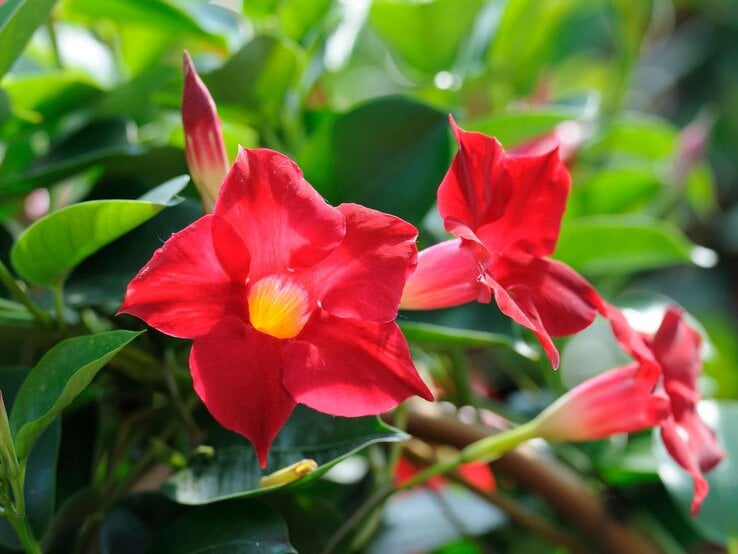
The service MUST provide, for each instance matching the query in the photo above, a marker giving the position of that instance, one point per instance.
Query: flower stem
(487, 449)
(19, 294)
(15, 510)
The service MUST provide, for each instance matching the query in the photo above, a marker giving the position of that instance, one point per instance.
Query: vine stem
(487, 449)
(15, 473)
(59, 306)
(20, 295)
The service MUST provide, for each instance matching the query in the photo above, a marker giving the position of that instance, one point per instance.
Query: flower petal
(546, 296)
(189, 284)
(509, 203)
(616, 401)
(237, 374)
(364, 276)
(281, 219)
(448, 274)
(350, 368)
(679, 449)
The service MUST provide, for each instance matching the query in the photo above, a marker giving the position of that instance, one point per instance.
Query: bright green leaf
(716, 519)
(298, 17)
(617, 245)
(50, 248)
(428, 333)
(232, 470)
(61, 374)
(426, 34)
(235, 527)
(516, 127)
(19, 19)
(40, 481)
(159, 14)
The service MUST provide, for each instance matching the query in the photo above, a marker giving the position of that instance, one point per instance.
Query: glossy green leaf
(258, 76)
(623, 189)
(61, 374)
(49, 95)
(19, 19)
(425, 34)
(40, 480)
(94, 143)
(160, 14)
(232, 527)
(389, 154)
(716, 519)
(48, 250)
(617, 245)
(428, 333)
(298, 18)
(232, 470)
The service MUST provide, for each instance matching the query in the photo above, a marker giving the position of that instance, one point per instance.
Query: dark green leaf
(258, 76)
(94, 143)
(62, 373)
(19, 19)
(606, 245)
(389, 154)
(40, 482)
(426, 34)
(233, 527)
(716, 519)
(48, 250)
(232, 470)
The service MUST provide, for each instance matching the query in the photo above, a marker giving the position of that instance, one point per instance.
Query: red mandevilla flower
(204, 146)
(288, 300)
(506, 211)
(658, 388)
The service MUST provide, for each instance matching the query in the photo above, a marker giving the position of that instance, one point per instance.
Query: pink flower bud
(204, 147)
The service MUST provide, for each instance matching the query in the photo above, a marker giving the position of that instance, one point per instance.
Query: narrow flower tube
(204, 146)
(616, 401)
(448, 274)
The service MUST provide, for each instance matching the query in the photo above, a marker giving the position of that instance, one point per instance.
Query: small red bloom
(506, 211)
(688, 440)
(288, 300)
(204, 146)
(658, 388)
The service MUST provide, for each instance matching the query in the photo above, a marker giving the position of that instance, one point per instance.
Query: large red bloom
(288, 300)
(506, 211)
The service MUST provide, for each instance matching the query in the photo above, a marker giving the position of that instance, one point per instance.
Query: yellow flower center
(278, 306)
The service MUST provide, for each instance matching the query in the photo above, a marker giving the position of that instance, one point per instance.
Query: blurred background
(640, 95)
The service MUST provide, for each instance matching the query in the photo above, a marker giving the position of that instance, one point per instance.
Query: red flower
(658, 388)
(688, 440)
(288, 300)
(506, 211)
(204, 147)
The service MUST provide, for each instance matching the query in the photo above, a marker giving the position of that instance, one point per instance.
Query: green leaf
(426, 34)
(298, 17)
(40, 480)
(61, 374)
(389, 154)
(258, 76)
(94, 143)
(159, 14)
(19, 19)
(428, 333)
(716, 519)
(614, 244)
(48, 250)
(235, 527)
(232, 470)
(516, 127)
